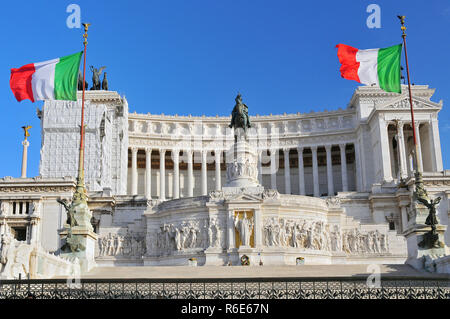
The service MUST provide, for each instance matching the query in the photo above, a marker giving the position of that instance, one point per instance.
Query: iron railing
(228, 288)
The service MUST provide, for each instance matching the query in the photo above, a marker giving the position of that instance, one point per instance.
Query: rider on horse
(240, 110)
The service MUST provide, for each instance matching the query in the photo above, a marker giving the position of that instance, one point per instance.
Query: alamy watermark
(374, 279)
(74, 18)
(374, 19)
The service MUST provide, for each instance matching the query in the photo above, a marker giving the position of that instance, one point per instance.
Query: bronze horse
(240, 118)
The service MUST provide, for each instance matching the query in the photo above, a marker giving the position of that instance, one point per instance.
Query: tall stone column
(134, 172)
(436, 146)
(34, 230)
(217, 154)
(273, 169)
(329, 171)
(358, 170)
(315, 171)
(176, 173)
(25, 144)
(190, 174)
(204, 174)
(385, 160)
(301, 172)
(401, 148)
(287, 171)
(148, 173)
(419, 146)
(344, 168)
(260, 167)
(162, 174)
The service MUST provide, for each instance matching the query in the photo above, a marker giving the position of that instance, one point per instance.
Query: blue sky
(192, 56)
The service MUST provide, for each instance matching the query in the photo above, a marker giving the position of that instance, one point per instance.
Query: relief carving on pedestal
(198, 234)
(131, 245)
(238, 169)
(318, 235)
(372, 242)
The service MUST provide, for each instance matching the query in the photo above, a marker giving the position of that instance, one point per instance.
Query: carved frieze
(319, 235)
(130, 245)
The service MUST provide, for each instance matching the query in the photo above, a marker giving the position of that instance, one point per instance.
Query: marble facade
(325, 186)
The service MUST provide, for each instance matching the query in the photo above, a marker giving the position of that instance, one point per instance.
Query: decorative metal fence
(227, 288)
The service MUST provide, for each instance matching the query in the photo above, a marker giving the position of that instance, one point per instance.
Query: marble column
(287, 171)
(134, 171)
(404, 214)
(260, 167)
(230, 230)
(176, 173)
(358, 170)
(34, 232)
(148, 173)
(190, 187)
(301, 172)
(401, 148)
(217, 154)
(385, 160)
(273, 169)
(344, 168)
(329, 171)
(25, 144)
(162, 174)
(315, 171)
(419, 146)
(258, 229)
(204, 174)
(436, 146)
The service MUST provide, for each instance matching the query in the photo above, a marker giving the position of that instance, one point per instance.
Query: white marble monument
(331, 187)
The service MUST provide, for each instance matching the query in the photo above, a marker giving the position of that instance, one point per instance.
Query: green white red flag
(379, 67)
(49, 80)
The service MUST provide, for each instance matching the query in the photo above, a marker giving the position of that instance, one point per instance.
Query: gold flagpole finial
(85, 35)
(402, 21)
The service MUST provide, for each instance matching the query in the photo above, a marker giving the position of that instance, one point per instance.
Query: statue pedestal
(215, 256)
(86, 239)
(242, 169)
(416, 254)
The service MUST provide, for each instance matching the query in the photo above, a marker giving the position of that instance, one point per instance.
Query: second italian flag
(49, 80)
(372, 67)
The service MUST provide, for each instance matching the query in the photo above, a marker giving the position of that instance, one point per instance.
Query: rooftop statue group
(96, 85)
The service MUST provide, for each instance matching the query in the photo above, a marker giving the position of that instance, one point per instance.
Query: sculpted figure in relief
(132, 244)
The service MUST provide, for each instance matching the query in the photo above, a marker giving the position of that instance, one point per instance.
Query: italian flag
(50, 80)
(372, 67)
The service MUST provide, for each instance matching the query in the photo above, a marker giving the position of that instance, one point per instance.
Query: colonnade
(263, 168)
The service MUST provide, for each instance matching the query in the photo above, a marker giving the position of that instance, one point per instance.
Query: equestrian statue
(239, 116)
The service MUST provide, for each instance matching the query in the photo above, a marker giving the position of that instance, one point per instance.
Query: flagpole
(420, 190)
(80, 193)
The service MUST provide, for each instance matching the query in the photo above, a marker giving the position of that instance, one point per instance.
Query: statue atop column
(25, 131)
(242, 157)
(239, 115)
